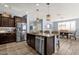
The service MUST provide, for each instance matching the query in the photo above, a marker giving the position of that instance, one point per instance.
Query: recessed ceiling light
(27, 12)
(58, 14)
(37, 4)
(6, 6)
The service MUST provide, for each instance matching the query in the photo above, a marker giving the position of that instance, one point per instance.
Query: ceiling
(57, 11)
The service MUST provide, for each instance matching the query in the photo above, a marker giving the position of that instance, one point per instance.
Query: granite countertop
(7, 32)
(7, 29)
(43, 34)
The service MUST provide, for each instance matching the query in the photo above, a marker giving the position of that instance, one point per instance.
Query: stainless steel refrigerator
(21, 30)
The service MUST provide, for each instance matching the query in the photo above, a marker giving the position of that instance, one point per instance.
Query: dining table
(65, 33)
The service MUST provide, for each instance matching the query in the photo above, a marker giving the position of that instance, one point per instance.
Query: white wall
(58, 11)
(77, 25)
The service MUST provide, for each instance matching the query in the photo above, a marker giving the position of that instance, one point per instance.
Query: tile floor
(20, 48)
(67, 47)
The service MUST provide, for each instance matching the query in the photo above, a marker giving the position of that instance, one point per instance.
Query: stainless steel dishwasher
(39, 44)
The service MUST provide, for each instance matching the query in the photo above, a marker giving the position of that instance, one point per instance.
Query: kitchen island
(43, 43)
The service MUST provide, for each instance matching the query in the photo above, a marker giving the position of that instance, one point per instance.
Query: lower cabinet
(2, 38)
(42, 44)
(7, 38)
(31, 40)
(50, 45)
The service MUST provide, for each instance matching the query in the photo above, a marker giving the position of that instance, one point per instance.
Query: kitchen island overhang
(44, 44)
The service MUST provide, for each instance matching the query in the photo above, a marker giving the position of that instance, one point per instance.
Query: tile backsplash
(7, 28)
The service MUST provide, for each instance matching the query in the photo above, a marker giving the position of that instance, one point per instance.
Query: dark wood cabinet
(43, 44)
(5, 21)
(8, 22)
(7, 38)
(3, 38)
(11, 37)
(17, 19)
(31, 40)
(11, 22)
(50, 45)
(25, 18)
(0, 19)
(28, 39)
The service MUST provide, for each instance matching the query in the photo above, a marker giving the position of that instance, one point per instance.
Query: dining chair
(72, 34)
(57, 40)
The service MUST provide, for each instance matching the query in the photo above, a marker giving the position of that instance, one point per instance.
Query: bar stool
(57, 43)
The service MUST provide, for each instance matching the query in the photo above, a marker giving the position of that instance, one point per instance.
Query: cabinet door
(50, 45)
(33, 41)
(5, 21)
(11, 22)
(0, 20)
(7, 38)
(17, 20)
(11, 37)
(28, 39)
(25, 18)
(3, 39)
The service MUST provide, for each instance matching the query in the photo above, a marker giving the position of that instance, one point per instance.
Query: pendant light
(37, 11)
(37, 14)
(48, 15)
(6, 11)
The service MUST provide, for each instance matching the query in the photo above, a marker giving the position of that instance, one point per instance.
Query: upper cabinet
(25, 18)
(0, 19)
(11, 22)
(17, 19)
(6, 21)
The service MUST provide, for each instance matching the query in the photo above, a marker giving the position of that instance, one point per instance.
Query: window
(70, 26)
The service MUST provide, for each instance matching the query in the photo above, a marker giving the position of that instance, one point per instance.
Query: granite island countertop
(43, 34)
(43, 43)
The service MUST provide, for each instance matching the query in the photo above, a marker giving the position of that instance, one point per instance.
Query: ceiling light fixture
(37, 10)
(37, 4)
(37, 18)
(48, 15)
(27, 12)
(6, 11)
(6, 6)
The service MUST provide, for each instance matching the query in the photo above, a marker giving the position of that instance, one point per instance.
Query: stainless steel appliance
(39, 44)
(21, 32)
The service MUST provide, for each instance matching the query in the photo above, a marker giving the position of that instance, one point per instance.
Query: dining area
(68, 29)
(68, 34)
